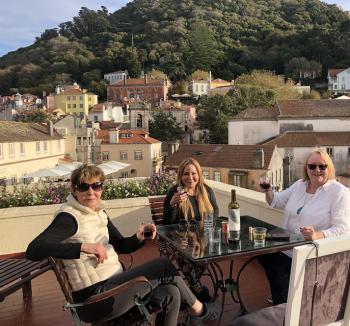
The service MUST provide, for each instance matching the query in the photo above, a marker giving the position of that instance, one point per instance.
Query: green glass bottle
(234, 214)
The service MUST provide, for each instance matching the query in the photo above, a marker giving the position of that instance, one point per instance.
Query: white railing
(19, 225)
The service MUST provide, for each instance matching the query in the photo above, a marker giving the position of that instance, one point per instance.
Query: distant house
(199, 87)
(146, 89)
(116, 76)
(339, 80)
(240, 165)
(257, 125)
(73, 100)
(295, 145)
(27, 147)
(135, 147)
(108, 112)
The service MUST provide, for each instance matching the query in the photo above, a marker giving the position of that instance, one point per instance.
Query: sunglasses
(322, 167)
(82, 187)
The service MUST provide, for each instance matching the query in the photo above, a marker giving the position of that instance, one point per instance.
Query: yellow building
(75, 101)
(26, 148)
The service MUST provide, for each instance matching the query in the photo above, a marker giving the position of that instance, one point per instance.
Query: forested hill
(227, 36)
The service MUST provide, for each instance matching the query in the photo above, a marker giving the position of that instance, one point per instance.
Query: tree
(269, 81)
(157, 74)
(301, 68)
(163, 126)
(199, 75)
(203, 53)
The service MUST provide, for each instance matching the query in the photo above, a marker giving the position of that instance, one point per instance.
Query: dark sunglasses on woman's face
(81, 187)
(322, 167)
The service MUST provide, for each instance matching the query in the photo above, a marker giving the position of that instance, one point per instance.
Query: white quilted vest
(92, 228)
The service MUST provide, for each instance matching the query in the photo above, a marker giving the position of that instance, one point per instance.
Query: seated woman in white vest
(83, 236)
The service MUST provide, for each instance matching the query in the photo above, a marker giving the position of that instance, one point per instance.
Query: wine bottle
(234, 220)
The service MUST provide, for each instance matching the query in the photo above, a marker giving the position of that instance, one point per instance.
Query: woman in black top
(87, 242)
(191, 198)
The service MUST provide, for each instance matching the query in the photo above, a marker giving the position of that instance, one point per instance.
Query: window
(74, 106)
(1, 151)
(348, 151)
(37, 147)
(68, 106)
(123, 155)
(81, 105)
(68, 98)
(105, 156)
(206, 174)
(89, 99)
(21, 149)
(59, 145)
(330, 151)
(11, 150)
(74, 98)
(138, 155)
(45, 146)
(124, 174)
(217, 176)
(95, 118)
(80, 97)
(237, 180)
(79, 141)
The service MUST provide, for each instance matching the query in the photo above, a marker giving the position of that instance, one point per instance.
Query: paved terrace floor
(46, 306)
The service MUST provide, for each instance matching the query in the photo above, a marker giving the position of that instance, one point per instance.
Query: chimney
(113, 136)
(258, 158)
(50, 128)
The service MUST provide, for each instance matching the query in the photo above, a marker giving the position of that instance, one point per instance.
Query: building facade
(134, 147)
(27, 147)
(145, 89)
(339, 80)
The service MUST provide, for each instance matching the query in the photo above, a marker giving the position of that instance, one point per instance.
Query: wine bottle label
(234, 220)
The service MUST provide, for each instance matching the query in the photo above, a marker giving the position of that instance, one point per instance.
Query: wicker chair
(140, 314)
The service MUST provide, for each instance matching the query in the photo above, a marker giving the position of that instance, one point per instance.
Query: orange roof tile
(221, 155)
(311, 139)
(136, 138)
(137, 81)
(334, 72)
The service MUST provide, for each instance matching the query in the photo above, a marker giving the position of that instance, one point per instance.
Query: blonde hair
(85, 172)
(326, 158)
(202, 198)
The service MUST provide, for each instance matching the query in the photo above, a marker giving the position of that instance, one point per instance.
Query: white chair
(318, 289)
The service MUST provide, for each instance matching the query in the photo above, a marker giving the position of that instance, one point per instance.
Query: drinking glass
(259, 235)
(215, 240)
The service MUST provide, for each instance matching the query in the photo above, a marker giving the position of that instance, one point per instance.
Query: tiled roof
(221, 155)
(97, 108)
(299, 109)
(72, 91)
(137, 81)
(137, 137)
(311, 139)
(11, 131)
(105, 125)
(334, 72)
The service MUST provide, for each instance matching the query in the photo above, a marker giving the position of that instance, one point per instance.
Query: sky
(23, 20)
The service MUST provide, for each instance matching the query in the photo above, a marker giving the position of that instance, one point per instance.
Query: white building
(339, 80)
(108, 112)
(294, 146)
(116, 76)
(199, 87)
(256, 125)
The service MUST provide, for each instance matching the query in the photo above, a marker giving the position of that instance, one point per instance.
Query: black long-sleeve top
(49, 242)
(172, 215)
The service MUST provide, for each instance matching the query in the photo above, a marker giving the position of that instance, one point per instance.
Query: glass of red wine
(265, 183)
(148, 228)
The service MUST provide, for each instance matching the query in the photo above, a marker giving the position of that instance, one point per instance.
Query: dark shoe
(202, 294)
(212, 312)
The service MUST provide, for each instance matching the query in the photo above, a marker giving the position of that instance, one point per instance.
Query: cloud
(22, 20)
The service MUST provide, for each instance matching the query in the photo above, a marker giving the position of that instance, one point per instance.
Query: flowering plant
(56, 193)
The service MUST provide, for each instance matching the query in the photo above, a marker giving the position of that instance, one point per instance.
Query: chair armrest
(117, 290)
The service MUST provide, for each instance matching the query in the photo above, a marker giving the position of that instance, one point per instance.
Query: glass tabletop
(195, 245)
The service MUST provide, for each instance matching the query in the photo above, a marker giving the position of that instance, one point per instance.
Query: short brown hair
(84, 172)
(326, 158)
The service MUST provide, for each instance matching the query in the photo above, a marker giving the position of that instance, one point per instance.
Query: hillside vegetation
(229, 37)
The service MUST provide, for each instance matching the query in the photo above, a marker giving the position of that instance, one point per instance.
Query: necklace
(307, 198)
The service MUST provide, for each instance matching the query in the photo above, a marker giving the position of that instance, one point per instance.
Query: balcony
(24, 223)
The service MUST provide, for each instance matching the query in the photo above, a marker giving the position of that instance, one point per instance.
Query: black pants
(277, 267)
(169, 292)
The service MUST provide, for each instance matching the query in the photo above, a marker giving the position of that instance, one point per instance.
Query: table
(192, 250)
